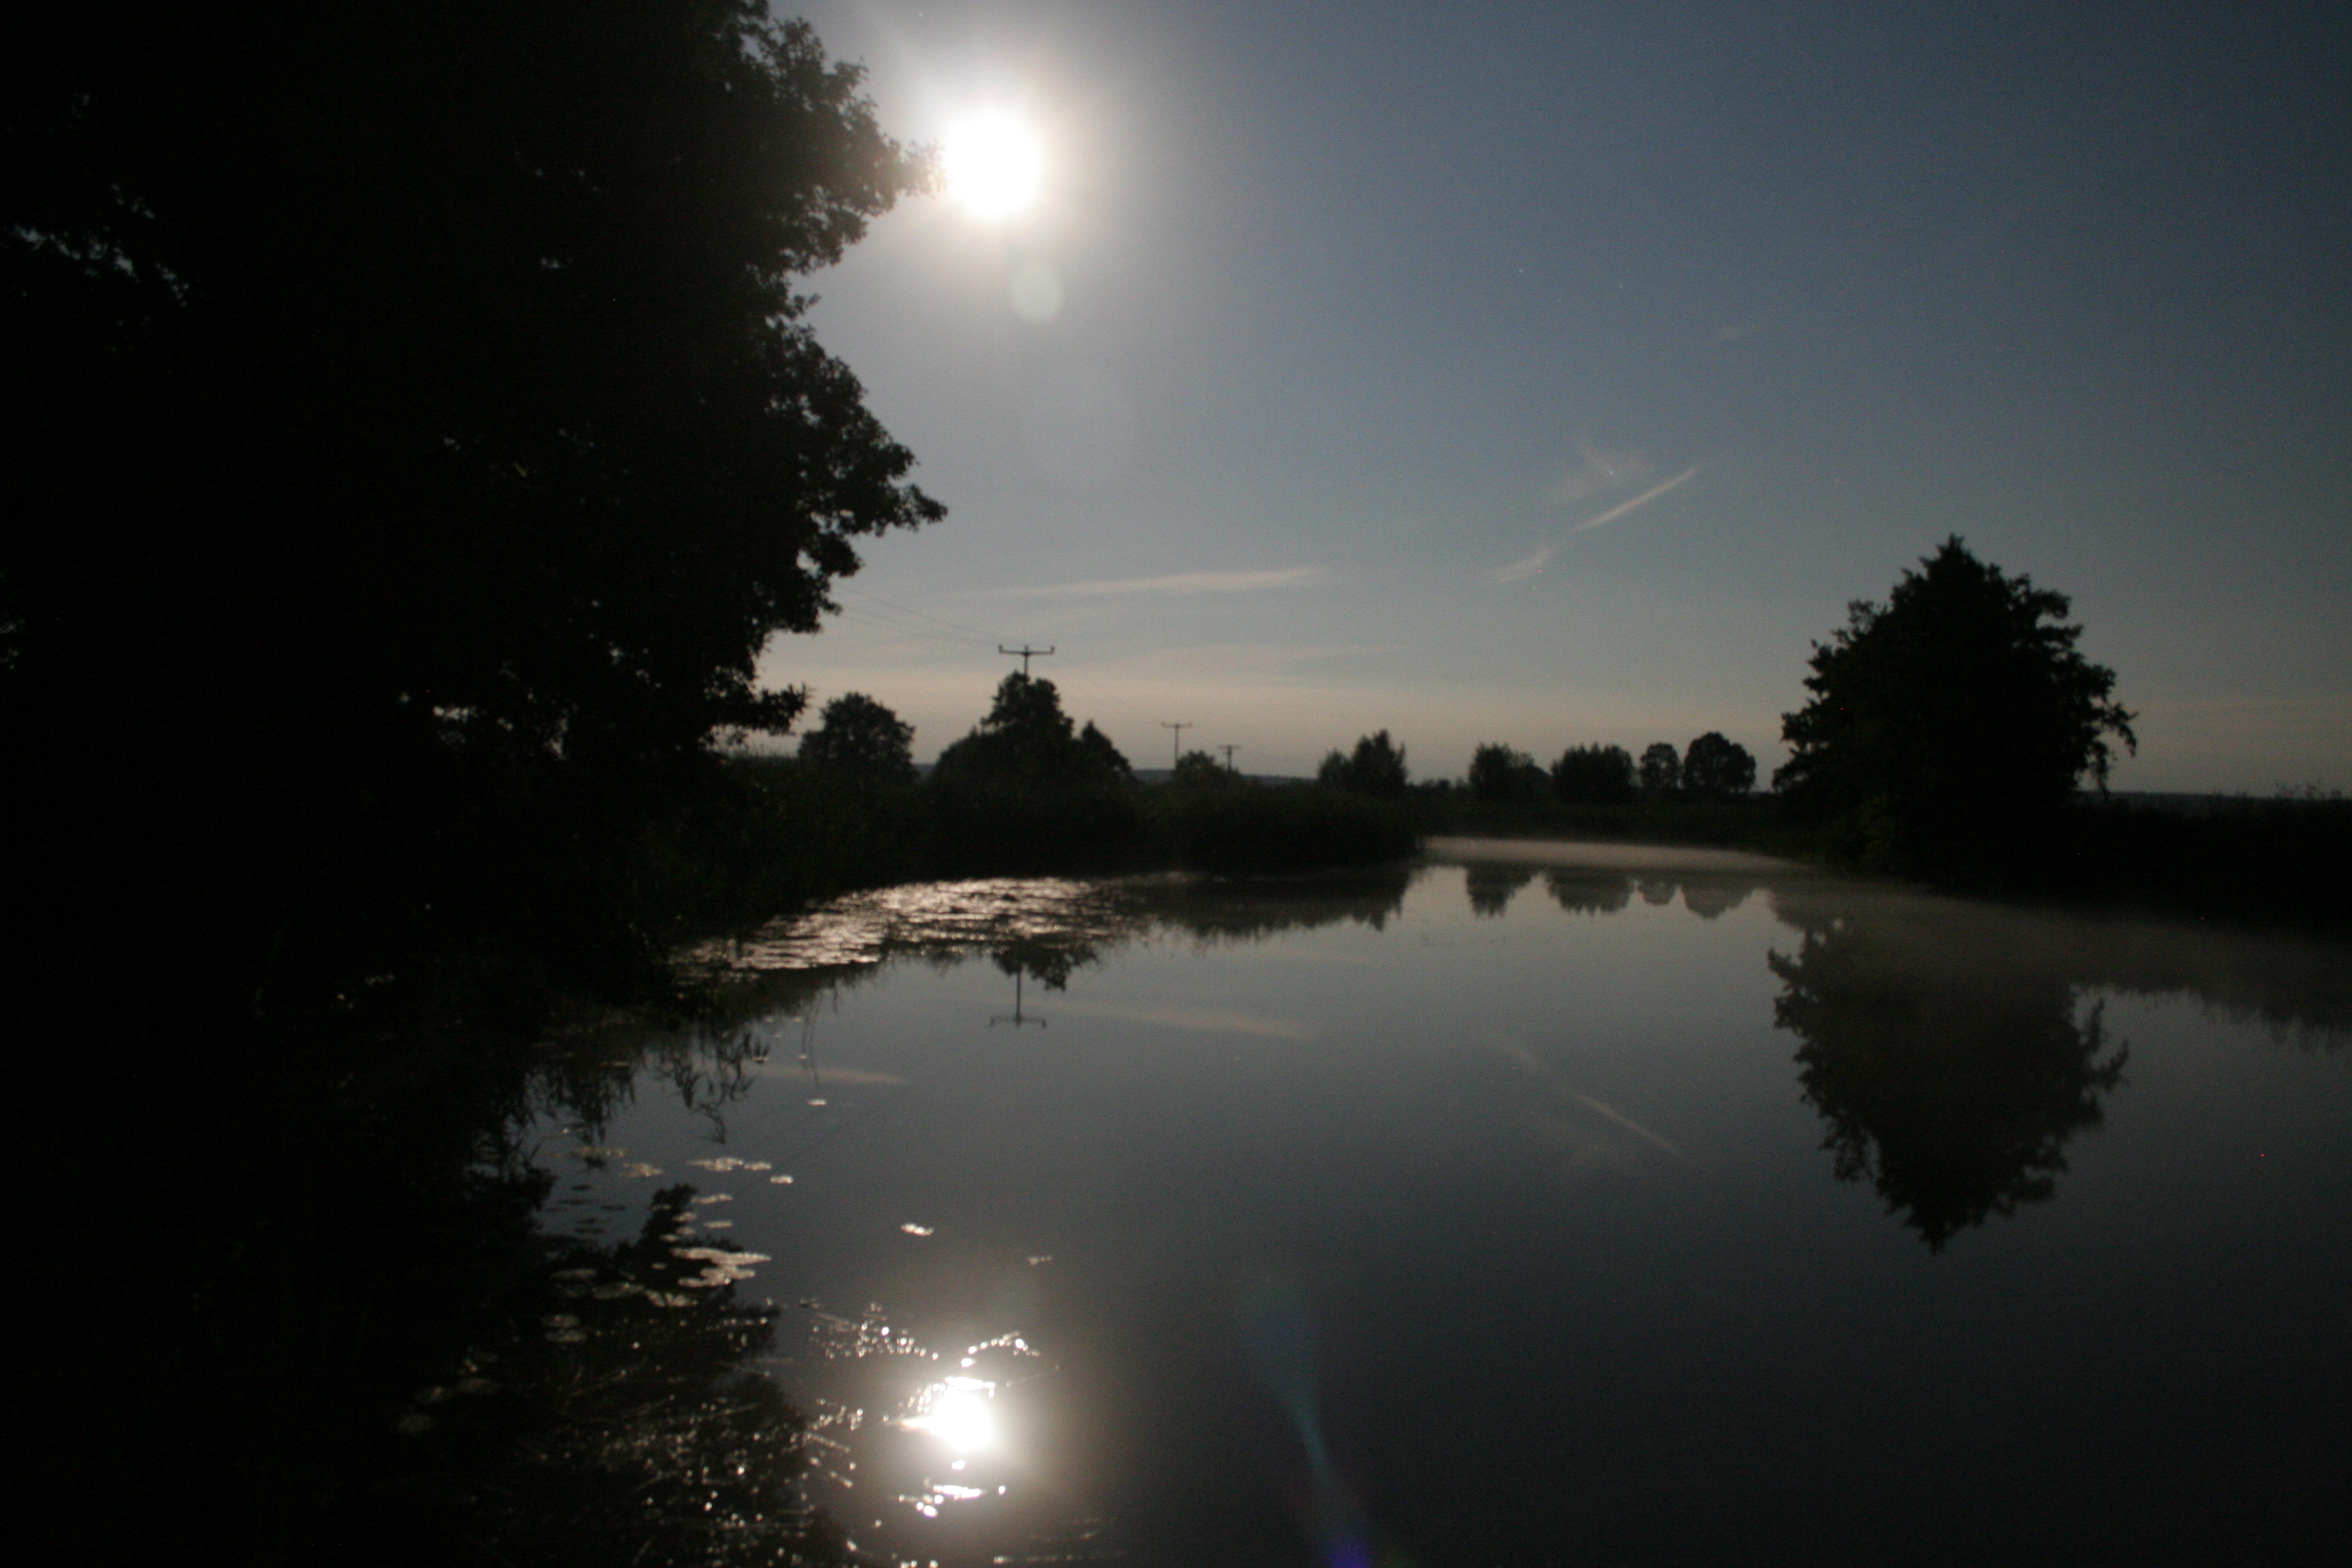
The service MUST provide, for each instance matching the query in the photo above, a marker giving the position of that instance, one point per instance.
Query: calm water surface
(1499, 1213)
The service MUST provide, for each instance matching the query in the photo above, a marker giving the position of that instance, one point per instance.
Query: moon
(994, 165)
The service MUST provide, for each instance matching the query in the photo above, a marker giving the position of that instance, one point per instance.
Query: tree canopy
(1594, 775)
(858, 737)
(404, 370)
(1957, 716)
(1497, 772)
(1662, 770)
(1716, 768)
(1200, 770)
(1375, 767)
(1027, 741)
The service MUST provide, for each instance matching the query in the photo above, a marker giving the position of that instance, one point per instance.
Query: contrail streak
(1519, 571)
(1644, 498)
(1629, 1125)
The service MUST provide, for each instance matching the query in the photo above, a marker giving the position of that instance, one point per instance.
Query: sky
(1557, 375)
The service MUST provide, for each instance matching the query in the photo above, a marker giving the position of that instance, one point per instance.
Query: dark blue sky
(1310, 397)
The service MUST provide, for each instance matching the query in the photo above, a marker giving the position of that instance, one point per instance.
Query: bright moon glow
(993, 165)
(958, 1419)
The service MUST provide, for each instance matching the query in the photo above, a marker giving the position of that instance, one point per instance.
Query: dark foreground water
(1497, 1212)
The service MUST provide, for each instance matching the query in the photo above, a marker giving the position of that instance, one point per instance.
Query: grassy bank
(769, 835)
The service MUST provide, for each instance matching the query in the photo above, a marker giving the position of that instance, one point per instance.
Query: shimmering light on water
(1644, 1214)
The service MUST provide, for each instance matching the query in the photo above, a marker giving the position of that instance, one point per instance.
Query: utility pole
(1175, 741)
(1229, 752)
(1026, 653)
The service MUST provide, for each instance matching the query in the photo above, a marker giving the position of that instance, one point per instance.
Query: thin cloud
(1182, 583)
(1528, 565)
(1540, 557)
(1597, 471)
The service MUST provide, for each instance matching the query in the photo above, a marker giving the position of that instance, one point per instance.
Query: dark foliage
(1028, 743)
(1662, 770)
(459, 355)
(1594, 775)
(1198, 770)
(1497, 772)
(1715, 768)
(414, 435)
(1277, 827)
(1949, 728)
(1375, 767)
(858, 738)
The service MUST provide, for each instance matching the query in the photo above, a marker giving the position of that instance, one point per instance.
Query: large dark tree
(384, 374)
(1956, 719)
(409, 404)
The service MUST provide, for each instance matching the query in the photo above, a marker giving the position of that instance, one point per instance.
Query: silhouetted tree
(1200, 770)
(1951, 1067)
(1375, 767)
(1499, 773)
(1662, 770)
(858, 737)
(1954, 719)
(1027, 740)
(1099, 761)
(1594, 775)
(1717, 769)
(428, 385)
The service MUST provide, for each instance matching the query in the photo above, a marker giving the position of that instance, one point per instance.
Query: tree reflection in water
(1591, 892)
(616, 1425)
(1492, 887)
(1951, 1065)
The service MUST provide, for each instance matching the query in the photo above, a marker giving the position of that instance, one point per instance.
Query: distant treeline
(1027, 792)
(1030, 792)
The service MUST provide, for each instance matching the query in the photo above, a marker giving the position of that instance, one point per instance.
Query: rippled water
(1506, 1212)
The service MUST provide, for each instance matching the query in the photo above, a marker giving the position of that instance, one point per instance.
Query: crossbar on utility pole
(1175, 741)
(1026, 654)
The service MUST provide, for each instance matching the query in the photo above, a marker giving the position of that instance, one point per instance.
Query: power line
(924, 615)
(1026, 654)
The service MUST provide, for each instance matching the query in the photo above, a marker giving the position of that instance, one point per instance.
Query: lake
(1527, 1205)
